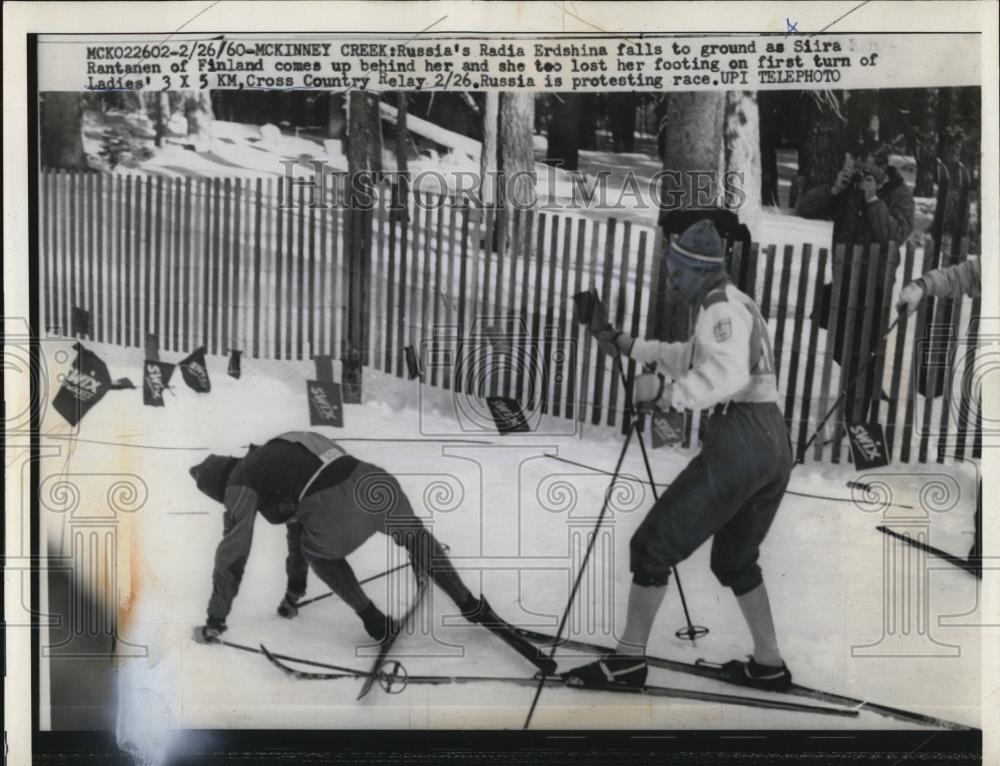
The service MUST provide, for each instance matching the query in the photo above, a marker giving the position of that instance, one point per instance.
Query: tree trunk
(949, 218)
(741, 159)
(336, 116)
(821, 139)
(198, 110)
(926, 141)
(488, 156)
(588, 120)
(516, 150)
(401, 189)
(769, 106)
(161, 113)
(692, 140)
(692, 145)
(61, 130)
(622, 108)
(564, 131)
(364, 158)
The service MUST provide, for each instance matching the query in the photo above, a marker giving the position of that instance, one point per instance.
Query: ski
(396, 682)
(705, 670)
(508, 634)
(386, 647)
(944, 555)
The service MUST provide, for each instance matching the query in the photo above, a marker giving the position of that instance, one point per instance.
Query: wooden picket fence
(484, 297)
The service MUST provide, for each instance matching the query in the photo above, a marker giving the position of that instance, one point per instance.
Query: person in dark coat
(869, 204)
(331, 503)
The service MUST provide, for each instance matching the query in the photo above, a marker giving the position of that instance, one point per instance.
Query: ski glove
(377, 625)
(209, 632)
(652, 389)
(288, 608)
(614, 342)
(910, 296)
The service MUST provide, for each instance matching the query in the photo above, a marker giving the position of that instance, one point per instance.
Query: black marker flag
(85, 385)
(155, 379)
(507, 414)
(325, 403)
(868, 446)
(194, 371)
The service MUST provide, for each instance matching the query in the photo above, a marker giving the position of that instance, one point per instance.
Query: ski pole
(366, 580)
(579, 575)
(864, 366)
(374, 577)
(691, 632)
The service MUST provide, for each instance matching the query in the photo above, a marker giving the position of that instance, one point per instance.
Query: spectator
(953, 282)
(869, 203)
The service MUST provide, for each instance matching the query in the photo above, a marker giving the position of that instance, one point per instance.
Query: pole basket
(691, 632)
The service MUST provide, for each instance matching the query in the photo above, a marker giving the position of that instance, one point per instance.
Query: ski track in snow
(501, 507)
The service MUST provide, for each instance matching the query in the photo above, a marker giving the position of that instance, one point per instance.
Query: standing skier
(732, 489)
(331, 503)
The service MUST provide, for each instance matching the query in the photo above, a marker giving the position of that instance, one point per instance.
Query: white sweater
(728, 358)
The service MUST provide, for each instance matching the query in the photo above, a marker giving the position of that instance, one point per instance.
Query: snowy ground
(515, 521)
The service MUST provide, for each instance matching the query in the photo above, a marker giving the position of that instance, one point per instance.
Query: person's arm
(233, 550)
(817, 202)
(296, 566)
(675, 357)
(892, 221)
(722, 333)
(963, 278)
(953, 282)
(296, 570)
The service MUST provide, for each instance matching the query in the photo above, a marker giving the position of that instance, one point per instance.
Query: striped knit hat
(699, 247)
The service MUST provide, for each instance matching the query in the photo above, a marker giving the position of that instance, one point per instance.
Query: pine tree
(61, 130)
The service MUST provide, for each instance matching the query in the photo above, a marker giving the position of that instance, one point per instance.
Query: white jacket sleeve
(674, 357)
(722, 367)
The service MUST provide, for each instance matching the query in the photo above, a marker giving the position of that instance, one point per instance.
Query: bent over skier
(732, 489)
(331, 503)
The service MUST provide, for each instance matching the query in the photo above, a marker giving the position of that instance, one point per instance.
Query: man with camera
(869, 204)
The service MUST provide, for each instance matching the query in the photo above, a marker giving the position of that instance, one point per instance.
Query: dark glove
(288, 608)
(614, 342)
(209, 632)
(479, 611)
(651, 390)
(377, 625)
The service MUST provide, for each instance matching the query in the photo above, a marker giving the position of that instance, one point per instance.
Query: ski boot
(610, 670)
(752, 673)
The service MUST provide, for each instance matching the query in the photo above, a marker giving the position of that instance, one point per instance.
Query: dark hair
(876, 151)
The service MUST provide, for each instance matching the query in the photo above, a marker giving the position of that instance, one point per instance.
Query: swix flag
(194, 371)
(85, 385)
(507, 414)
(667, 427)
(326, 406)
(867, 445)
(155, 379)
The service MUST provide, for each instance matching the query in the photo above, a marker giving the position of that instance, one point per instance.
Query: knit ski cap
(700, 247)
(212, 474)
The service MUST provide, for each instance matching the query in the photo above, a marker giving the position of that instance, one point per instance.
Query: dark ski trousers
(730, 491)
(339, 513)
